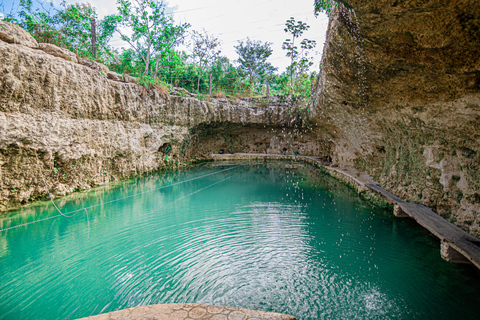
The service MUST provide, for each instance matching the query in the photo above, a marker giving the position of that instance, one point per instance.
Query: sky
(233, 20)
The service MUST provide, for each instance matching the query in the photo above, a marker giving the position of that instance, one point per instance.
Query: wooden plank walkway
(456, 245)
(450, 235)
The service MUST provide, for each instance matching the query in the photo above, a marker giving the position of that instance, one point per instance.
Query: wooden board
(463, 242)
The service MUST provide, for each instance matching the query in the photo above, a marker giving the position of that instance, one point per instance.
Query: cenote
(253, 236)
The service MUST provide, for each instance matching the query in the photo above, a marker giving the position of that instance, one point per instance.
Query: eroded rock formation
(399, 95)
(68, 120)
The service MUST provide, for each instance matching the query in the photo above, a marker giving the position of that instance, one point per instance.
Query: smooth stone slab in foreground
(180, 311)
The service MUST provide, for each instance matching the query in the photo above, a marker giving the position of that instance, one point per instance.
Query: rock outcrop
(100, 67)
(77, 126)
(58, 52)
(399, 94)
(11, 33)
(398, 97)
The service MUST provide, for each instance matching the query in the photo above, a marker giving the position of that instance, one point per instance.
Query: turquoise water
(255, 236)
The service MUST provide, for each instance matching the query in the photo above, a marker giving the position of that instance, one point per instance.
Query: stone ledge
(261, 156)
(180, 311)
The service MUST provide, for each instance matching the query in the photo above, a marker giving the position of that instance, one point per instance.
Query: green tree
(39, 23)
(279, 83)
(172, 65)
(166, 54)
(68, 26)
(225, 76)
(253, 57)
(144, 25)
(205, 50)
(299, 60)
(75, 26)
(324, 6)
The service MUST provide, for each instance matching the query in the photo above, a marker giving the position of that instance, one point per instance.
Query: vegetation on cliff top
(324, 6)
(155, 52)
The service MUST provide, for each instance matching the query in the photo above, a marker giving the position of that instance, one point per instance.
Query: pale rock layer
(78, 126)
(399, 95)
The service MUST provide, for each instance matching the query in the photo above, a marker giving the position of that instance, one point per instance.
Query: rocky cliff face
(399, 95)
(66, 120)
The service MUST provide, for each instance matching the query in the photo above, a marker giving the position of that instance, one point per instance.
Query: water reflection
(260, 237)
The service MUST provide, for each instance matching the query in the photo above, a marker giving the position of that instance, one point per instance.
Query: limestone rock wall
(65, 120)
(399, 95)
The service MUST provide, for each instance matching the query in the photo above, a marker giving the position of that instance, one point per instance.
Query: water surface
(255, 236)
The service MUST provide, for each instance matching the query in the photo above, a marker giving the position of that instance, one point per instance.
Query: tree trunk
(147, 60)
(171, 71)
(268, 90)
(291, 71)
(94, 37)
(147, 64)
(198, 82)
(210, 83)
(156, 68)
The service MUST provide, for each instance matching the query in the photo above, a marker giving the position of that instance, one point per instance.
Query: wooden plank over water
(461, 241)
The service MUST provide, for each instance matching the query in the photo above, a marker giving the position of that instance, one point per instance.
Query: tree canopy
(68, 26)
(324, 6)
(253, 57)
(299, 60)
(205, 50)
(149, 32)
(154, 52)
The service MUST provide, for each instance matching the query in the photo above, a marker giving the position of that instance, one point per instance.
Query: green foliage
(150, 32)
(304, 85)
(279, 83)
(68, 26)
(153, 54)
(299, 60)
(253, 57)
(205, 50)
(74, 23)
(127, 62)
(324, 6)
(225, 76)
(149, 81)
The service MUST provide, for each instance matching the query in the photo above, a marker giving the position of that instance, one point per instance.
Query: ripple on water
(247, 239)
